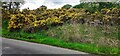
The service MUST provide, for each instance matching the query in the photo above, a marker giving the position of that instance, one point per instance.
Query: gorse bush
(42, 17)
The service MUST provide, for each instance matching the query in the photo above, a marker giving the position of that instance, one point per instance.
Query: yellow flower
(119, 17)
(14, 27)
(35, 24)
(13, 17)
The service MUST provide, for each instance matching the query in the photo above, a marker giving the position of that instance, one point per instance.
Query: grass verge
(42, 39)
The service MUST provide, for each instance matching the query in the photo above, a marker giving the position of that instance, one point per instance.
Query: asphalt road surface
(10, 46)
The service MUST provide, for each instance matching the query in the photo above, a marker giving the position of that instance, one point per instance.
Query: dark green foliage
(67, 6)
(43, 7)
(97, 6)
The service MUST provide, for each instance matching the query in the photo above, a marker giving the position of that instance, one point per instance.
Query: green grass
(0, 31)
(44, 39)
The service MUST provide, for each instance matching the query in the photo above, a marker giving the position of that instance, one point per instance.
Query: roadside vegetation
(0, 23)
(0, 32)
(75, 28)
(41, 38)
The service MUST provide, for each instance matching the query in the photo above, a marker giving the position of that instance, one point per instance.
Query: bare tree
(12, 4)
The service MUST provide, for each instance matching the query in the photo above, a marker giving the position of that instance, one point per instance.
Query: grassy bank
(82, 33)
(0, 31)
(43, 38)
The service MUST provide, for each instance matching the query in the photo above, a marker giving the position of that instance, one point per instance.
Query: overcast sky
(51, 4)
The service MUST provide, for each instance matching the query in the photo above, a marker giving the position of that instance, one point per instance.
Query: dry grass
(101, 36)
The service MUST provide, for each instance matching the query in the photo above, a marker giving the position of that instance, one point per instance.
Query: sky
(51, 4)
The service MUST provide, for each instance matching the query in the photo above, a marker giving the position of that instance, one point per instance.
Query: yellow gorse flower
(46, 17)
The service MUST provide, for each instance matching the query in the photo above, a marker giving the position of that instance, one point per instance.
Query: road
(10, 46)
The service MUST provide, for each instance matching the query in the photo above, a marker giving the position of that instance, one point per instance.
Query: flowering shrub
(43, 17)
